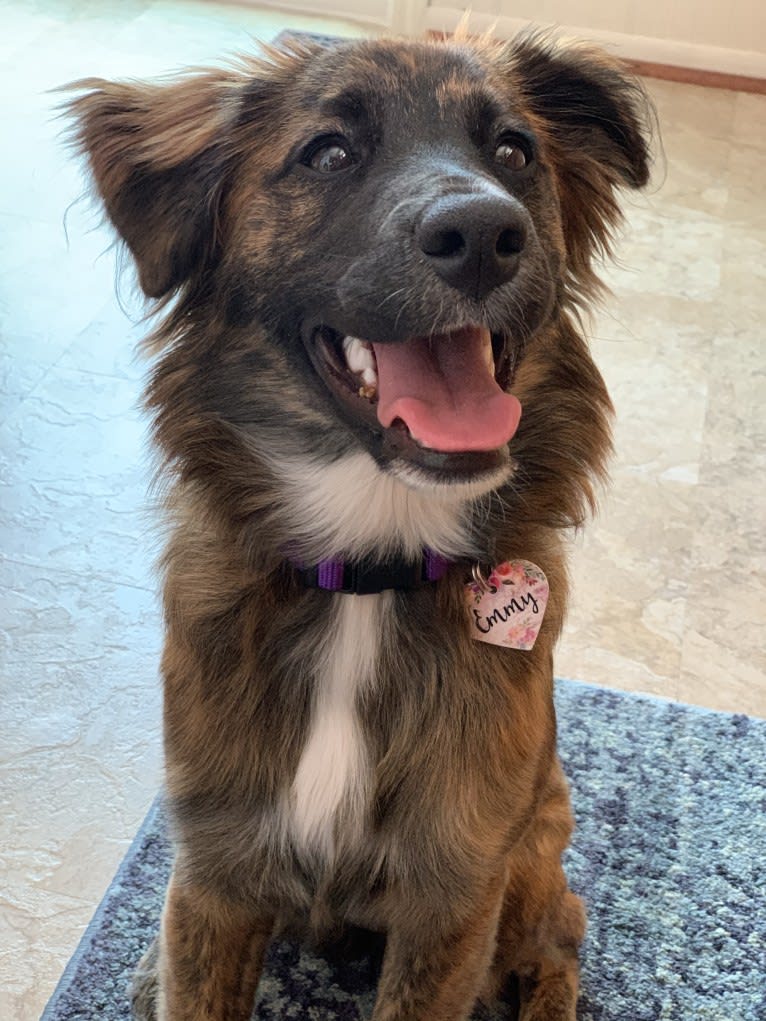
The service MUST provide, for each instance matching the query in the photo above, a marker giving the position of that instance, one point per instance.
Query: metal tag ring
(479, 578)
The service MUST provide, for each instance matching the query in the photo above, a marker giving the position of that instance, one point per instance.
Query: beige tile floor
(669, 581)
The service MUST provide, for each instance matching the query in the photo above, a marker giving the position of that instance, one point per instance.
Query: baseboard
(696, 76)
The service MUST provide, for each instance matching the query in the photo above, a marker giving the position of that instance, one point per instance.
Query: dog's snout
(474, 242)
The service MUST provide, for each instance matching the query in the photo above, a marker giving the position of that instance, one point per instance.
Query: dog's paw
(143, 986)
(553, 999)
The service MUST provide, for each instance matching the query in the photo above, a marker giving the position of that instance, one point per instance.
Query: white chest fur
(356, 508)
(352, 507)
(330, 790)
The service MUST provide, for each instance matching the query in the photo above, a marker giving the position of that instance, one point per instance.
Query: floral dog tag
(509, 609)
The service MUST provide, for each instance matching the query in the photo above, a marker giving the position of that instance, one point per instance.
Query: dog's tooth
(352, 349)
(360, 358)
(369, 387)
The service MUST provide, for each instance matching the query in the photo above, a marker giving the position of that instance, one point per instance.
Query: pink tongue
(443, 390)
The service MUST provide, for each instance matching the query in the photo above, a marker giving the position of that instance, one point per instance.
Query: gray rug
(669, 853)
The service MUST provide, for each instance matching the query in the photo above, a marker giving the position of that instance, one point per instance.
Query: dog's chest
(329, 795)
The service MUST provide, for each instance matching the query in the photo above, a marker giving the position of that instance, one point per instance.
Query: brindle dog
(376, 252)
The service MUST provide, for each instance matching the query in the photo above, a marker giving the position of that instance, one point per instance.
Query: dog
(377, 419)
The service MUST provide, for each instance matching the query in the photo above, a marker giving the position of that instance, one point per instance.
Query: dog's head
(364, 239)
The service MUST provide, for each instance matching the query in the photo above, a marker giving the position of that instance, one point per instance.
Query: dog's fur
(336, 759)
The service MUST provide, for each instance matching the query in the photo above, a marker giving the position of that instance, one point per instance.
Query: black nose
(474, 242)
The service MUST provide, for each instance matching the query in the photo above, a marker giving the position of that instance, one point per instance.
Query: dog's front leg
(435, 971)
(210, 959)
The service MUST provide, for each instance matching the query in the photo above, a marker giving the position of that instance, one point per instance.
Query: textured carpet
(669, 853)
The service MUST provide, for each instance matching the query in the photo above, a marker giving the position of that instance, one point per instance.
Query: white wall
(716, 36)
(720, 35)
(376, 13)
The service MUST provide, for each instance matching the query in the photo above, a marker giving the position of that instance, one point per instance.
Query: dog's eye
(329, 157)
(512, 154)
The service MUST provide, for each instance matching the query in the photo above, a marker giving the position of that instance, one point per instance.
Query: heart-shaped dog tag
(508, 610)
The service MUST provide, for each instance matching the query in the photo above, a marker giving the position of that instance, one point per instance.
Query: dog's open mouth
(433, 398)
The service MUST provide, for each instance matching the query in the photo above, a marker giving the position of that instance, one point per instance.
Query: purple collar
(365, 577)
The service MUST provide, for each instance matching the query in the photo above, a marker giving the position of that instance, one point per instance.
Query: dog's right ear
(158, 154)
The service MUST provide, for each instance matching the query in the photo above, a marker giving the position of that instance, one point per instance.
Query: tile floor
(670, 585)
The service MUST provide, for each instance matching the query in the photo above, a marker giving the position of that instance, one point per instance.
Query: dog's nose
(474, 242)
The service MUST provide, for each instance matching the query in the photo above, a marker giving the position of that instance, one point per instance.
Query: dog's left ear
(157, 155)
(591, 102)
(597, 121)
